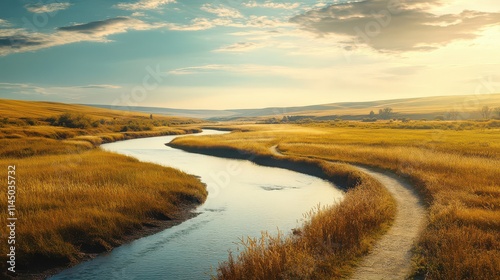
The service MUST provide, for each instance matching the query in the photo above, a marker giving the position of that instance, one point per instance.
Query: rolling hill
(463, 106)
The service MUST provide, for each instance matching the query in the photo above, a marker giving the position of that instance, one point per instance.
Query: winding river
(244, 199)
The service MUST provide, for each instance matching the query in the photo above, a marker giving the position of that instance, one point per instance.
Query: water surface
(244, 199)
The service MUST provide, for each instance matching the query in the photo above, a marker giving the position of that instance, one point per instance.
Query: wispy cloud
(221, 11)
(240, 47)
(404, 26)
(104, 86)
(72, 92)
(20, 88)
(15, 40)
(102, 28)
(195, 25)
(4, 23)
(143, 5)
(252, 69)
(198, 69)
(272, 5)
(207, 23)
(40, 8)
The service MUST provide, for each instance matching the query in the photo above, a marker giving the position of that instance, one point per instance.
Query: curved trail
(390, 258)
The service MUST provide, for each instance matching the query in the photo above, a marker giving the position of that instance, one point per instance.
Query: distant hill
(463, 106)
(17, 109)
(200, 114)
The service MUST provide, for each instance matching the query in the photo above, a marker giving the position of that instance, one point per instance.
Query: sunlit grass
(74, 198)
(456, 171)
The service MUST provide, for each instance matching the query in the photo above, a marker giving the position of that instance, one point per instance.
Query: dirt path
(391, 255)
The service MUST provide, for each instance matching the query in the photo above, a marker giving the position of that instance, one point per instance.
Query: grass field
(71, 199)
(454, 165)
(74, 201)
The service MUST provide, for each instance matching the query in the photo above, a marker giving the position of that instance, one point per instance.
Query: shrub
(72, 121)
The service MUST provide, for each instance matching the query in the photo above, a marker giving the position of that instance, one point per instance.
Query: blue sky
(246, 54)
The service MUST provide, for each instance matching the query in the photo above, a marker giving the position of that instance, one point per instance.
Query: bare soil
(391, 256)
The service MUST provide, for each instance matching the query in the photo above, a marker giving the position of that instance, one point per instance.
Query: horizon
(478, 97)
(225, 55)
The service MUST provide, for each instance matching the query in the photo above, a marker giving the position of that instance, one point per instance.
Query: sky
(228, 54)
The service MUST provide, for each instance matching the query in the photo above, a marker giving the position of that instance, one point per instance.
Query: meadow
(75, 200)
(453, 165)
(73, 203)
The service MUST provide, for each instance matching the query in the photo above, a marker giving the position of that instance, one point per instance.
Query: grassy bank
(80, 203)
(75, 199)
(330, 242)
(455, 170)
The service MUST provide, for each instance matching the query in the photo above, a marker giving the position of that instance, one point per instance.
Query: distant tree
(372, 114)
(496, 111)
(439, 118)
(385, 113)
(485, 112)
(284, 119)
(452, 115)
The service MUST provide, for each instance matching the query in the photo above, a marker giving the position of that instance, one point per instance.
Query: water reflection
(244, 199)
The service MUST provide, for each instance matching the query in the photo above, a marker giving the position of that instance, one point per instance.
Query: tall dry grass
(80, 202)
(74, 198)
(455, 170)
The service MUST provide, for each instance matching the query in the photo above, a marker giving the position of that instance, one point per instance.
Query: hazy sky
(244, 54)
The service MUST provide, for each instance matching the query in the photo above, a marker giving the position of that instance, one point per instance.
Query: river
(244, 200)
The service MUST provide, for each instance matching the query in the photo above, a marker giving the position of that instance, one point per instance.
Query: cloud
(255, 69)
(39, 8)
(20, 40)
(240, 47)
(143, 5)
(272, 5)
(395, 26)
(4, 23)
(221, 11)
(205, 23)
(107, 27)
(195, 25)
(22, 88)
(99, 86)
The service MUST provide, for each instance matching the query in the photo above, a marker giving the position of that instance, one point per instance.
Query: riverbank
(331, 241)
(79, 205)
(75, 200)
(148, 228)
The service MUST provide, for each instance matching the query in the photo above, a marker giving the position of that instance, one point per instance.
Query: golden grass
(38, 110)
(455, 170)
(71, 199)
(69, 203)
